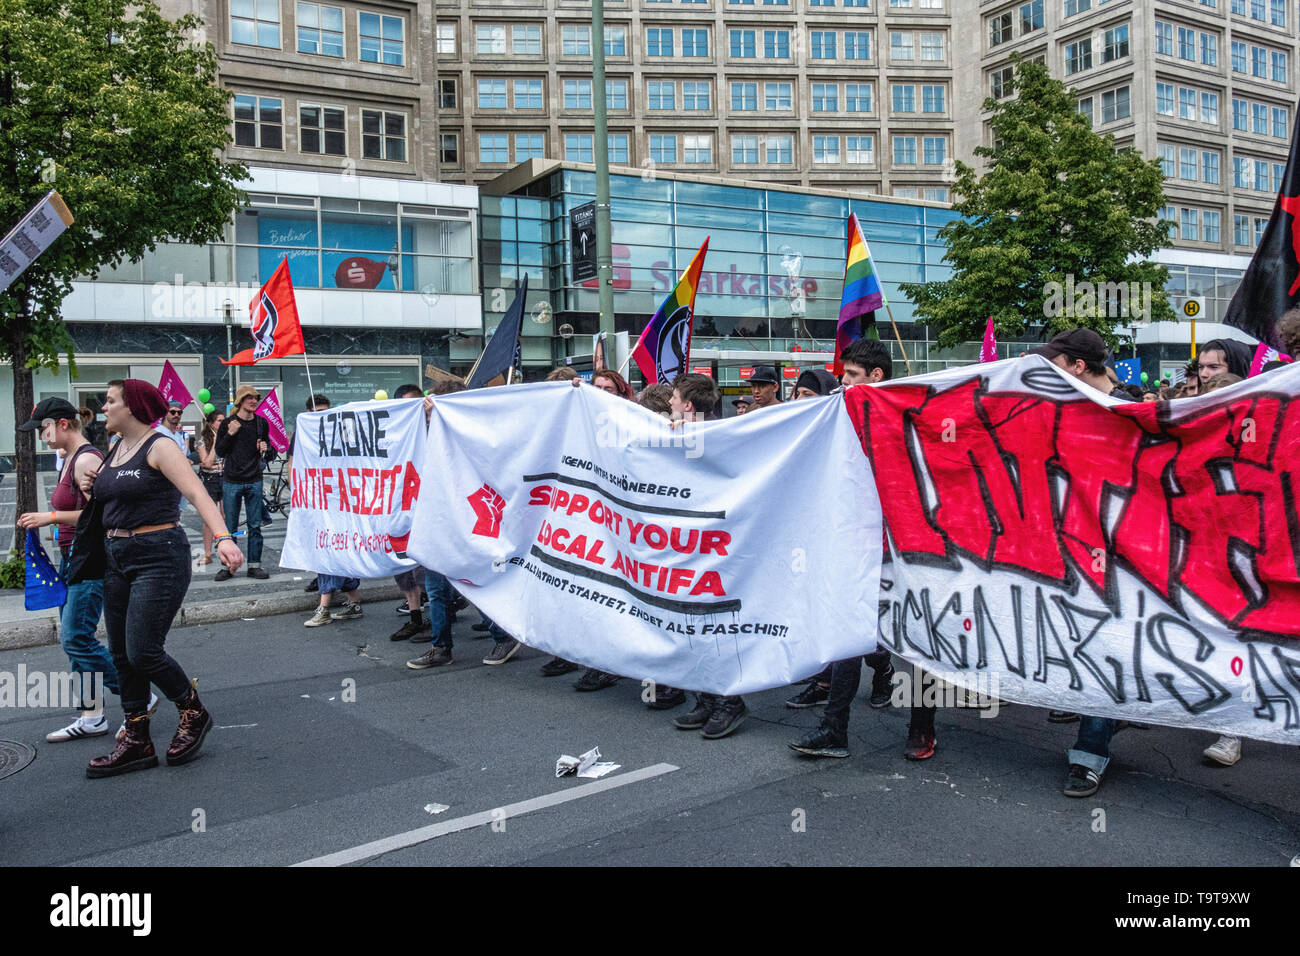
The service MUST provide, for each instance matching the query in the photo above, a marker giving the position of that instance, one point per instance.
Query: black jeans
(145, 581)
(846, 677)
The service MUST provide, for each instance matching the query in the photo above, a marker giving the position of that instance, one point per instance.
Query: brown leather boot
(134, 750)
(193, 727)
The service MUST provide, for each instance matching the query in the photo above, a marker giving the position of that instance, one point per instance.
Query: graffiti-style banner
(719, 556)
(1131, 560)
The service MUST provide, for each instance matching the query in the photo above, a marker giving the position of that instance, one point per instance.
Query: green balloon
(204, 395)
(1144, 378)
(208, 408)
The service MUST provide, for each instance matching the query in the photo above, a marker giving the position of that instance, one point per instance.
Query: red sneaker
(920, 745)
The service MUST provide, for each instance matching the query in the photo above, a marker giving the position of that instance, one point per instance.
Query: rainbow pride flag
(665, 346)
(862, 294)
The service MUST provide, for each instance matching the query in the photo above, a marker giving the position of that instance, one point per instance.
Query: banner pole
(899, 337)
(626, 362)
(311, 391)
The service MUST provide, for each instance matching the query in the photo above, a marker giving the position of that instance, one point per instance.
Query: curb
(17, 635)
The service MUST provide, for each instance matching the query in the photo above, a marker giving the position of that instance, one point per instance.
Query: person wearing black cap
(743, 404)
(765, 387)
(60, 428)
(1083, 354)
(146, 560)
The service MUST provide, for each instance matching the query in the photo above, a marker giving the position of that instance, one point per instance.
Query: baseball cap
(1075, 344)
(175, 404)
(764, 375)
(50, 408)
(743, 400)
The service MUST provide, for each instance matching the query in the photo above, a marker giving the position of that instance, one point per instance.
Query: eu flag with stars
(1129, 371)
(45, 589)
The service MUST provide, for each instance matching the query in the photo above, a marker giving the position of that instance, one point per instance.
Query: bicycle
(279, 497)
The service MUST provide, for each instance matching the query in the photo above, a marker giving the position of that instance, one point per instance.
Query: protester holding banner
(315, 403)
(243, 441)
(765, 387)
(608, 380)
(1223, 355)
(410, 581)
(146, 557)
(61, 429)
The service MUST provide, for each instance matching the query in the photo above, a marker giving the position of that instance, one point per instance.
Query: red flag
(273, 316)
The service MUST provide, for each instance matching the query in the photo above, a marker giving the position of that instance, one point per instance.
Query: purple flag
(270, 410)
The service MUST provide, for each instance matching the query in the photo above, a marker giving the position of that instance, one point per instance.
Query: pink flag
(172, 387)
(1263, 355)
(270, 410)
(989, 350)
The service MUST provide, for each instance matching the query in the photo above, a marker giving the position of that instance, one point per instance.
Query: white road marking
(422, 835)
(234, 726)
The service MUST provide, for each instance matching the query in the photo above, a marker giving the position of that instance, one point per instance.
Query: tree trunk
(24, 442)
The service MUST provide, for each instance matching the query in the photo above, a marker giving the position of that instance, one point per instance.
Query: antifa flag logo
(674, 345)
(488, 507)
(266, 322)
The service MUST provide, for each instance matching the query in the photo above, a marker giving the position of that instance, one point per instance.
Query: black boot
(133, 752)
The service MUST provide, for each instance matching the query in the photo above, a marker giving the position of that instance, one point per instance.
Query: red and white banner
(715, 556)
(270, 410)
(1129, 560)
(356, 475)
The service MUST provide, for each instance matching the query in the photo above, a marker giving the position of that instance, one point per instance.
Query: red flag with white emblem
(273, 317)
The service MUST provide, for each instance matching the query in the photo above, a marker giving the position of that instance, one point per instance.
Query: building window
(615, 41)
(936, 150)
(1031, 16)
(661, 95)
(1115, 105)
(1277, 12)
(446, 39)
(826, 149)
(383, 135)
(1073, 7)
(1000, 82)
(1165, 154)
(1085, 109)
(825, 97)
(576, 41)
(744, 150)
(616, 94)
(1240, 115)
(1210, 220)
(663, 147)
(904, 150)
(255, 22)
(447, 94)
(695, 43)
(932, 45)
(901, 46)
(1210, 167)
(1188, 167)
(780, 150)
(695, 95)
(529, 146)
(1186, 44)
(1000, 29)
(259, 122)
(1279, 67)
(1078, 56)
(697, 149)
(1165, 99)
(1164, 38)
(382, 39)
(1191, 227)
(578, 148)
(823, 44)
(1259, 119)
(859, 149)
(1209, 49)
(744, 96)
(577, 94)
(491, 94)
(936, 193)
(776, 96)
(1259, 62)
(1241, 230)
(526, 39)
(449, 149)
(857, 97)
(904, 97)
(1281, 122)
(321, 129)
(618, 149)
(857, 45)
(932, 99)
(658, 42)
(528, 94)
(1210, 108)
(489, 39)
(1186, 103)
(776, 44)
(1116, 44)
(1242, 176)
(320, 29)
(742, 44)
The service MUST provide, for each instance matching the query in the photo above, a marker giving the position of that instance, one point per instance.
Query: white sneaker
(322, 616)
(1226, 750)
(81, 727)
(153, 709)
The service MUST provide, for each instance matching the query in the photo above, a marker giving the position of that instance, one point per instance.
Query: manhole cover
(14, 756)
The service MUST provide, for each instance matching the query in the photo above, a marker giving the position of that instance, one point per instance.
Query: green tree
(1059, 211)
(117, 108)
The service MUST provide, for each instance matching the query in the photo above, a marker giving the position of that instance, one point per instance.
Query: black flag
(1271, 284)
(502, 353)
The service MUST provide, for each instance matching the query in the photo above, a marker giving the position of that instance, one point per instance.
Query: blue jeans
(328, 584)
(251, 495)
(1092, 749)
(441, 595)
(145, 580)
(78, 619)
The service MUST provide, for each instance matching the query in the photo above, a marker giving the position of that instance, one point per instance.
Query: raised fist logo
(488, 506)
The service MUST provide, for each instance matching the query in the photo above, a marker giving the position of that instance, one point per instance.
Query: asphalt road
(296, 771)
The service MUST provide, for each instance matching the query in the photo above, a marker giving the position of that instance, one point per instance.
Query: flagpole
(311, 390)
(899, 337)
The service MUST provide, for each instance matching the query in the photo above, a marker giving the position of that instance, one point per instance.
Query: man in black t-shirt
(244, 441)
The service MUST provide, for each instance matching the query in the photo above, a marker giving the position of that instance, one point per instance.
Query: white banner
(1128, 560)
(356, 475)
(720, 556)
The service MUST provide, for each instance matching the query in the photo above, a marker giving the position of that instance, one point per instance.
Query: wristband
(224, 536)
(53, 519)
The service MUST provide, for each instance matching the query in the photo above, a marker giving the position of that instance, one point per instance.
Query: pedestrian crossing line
(411, 838)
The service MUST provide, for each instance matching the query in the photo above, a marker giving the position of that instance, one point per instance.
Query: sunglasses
(174, 411)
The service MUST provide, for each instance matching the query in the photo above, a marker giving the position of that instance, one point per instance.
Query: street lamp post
(604, 248)
(227, 312)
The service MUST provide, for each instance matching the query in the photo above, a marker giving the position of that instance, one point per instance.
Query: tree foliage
(117, 108)
(1058, 207)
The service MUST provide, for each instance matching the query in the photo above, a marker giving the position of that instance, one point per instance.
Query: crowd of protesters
(138, 569)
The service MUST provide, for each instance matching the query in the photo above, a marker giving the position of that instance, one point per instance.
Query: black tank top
(135, 495)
